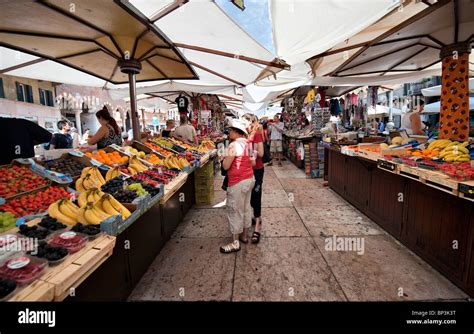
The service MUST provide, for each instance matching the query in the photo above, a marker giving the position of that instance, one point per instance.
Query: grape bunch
(113, 185)
(137, 188)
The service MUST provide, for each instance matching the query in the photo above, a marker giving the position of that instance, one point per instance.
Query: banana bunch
(64, 211)
(172, 162)
(88, 182)
(92, 214)
(439, 144)
(111, 206)
(95, 173)
(89, 196)
(208, 144)
(135, 166)
(455, 152)
(112, 173)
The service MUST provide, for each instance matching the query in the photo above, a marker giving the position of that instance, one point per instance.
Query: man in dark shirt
(18, 137)
(62, 139)
(182, 103)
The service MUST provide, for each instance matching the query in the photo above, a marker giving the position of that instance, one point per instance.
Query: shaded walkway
(291, 262)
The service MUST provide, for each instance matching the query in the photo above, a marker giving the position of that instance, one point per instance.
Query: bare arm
(101, 133)
(229, 156)
(416, 124)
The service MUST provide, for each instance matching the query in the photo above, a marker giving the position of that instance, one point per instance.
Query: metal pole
(390, 106)
(133, 106)
(143, 119)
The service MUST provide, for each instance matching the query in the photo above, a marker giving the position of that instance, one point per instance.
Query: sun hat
(239, 124)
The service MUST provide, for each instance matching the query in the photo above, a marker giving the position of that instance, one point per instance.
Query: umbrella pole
(133, 106)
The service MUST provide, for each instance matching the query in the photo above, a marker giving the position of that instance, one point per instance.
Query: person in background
(255, 140)
(109, 131)
(186, 131)
(381, 126)
(75, 137)
(169, 128)
(18, 137)
(62, 139)
(411, 120)
(276, 137)
(239, 167)
(375, 124)
(85, 136)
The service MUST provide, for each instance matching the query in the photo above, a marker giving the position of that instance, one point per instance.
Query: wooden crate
(37, 291)
(440, 181)
(78, 266)
(410, 172)
(173, 186)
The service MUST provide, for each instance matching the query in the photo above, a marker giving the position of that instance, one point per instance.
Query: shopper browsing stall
(186, 131)
(62, 139)
(169, 128)
(239, 166)
(109, 131)
(411, 120)
(255, 139)
(276, 137)
(18, 137)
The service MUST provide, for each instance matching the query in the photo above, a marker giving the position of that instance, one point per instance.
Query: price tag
(95, 162)
(160, 170)
(2, 201)
(27, 161)
(77, 154)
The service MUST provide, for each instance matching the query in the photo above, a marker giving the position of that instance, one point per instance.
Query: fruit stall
(421, 193)
(69, 225)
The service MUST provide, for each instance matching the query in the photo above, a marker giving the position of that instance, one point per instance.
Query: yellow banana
(53, 211)
(107, 206)
(98, 175)
(119, 207)
(90, 217)
(132, 170)
(86, 171)
(79, 185)
(82, 199)
(80, 216)
(111, 174)
(68, 208)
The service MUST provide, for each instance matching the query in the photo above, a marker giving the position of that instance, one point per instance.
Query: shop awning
(412, 43)
(435, 107)
(92, 37)
(212, 42)
(436, 90)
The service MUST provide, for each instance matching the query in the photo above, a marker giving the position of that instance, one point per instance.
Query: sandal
(256, 237)
(230, 248)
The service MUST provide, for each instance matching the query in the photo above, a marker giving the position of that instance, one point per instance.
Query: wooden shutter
(42, 96)
(19, 92)
(49, 98)
(2, 92)
(29, 93)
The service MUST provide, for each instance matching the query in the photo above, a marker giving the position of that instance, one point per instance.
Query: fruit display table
(136, 198)
(426, 217)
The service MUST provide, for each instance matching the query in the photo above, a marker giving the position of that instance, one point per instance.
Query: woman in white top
(411, 120)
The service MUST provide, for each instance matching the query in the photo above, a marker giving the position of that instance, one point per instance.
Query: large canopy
(92, 37)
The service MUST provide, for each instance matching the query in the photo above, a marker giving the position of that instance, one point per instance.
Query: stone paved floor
(291, 262)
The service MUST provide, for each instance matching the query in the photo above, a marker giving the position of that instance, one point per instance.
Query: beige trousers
(239, 210)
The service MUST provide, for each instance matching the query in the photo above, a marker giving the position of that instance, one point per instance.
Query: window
(2, 92)
(24, 92)
(46, 97)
